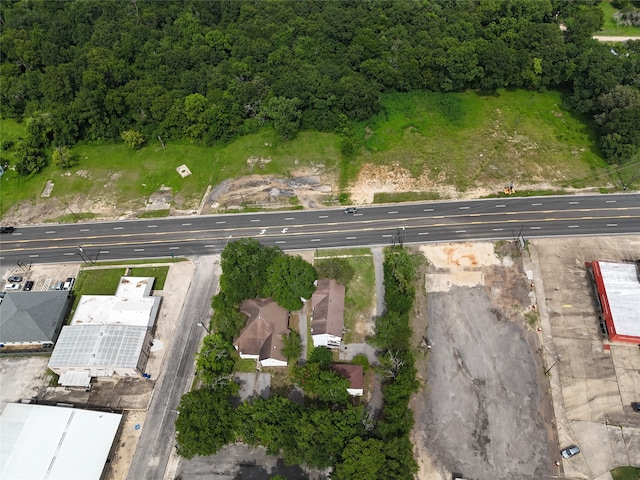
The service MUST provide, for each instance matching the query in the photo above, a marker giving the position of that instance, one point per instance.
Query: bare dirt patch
(484, 406)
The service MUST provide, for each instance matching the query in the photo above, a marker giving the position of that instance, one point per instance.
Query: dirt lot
(484, 409)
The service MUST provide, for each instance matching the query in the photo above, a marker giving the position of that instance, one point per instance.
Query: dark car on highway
(28, 286)
(7, 229)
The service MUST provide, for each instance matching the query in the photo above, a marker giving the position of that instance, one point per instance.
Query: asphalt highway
(442, 221)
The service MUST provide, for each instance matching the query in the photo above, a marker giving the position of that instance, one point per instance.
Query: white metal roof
(99, 346)
(54, 443)
(623, 293)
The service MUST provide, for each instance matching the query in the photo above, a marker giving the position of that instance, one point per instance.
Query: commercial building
(32, 320)
(132, 304)
(39, 442)
(85, 351)
(618, 291)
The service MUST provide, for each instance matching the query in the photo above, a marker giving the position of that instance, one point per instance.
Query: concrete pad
(22, 377)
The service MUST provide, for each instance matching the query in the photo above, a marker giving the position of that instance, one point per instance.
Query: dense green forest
(211, 70)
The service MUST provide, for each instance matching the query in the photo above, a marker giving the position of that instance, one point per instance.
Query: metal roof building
(39, 442)
(32, 319)
(101, 350)
(618, 288)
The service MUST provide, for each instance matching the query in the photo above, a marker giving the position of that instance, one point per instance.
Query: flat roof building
(32, 320)
(618, 290)
(39, 442)
(132, 304)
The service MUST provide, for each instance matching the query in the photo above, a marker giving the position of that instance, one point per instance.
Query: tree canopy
(291, 279)
(208, 71)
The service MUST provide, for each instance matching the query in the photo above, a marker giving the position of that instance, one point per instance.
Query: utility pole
(200, 324)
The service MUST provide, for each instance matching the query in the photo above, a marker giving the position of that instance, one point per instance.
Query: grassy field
(610, 27)
(626, 473)
(464, 140)
(118, 175)
(470, 139)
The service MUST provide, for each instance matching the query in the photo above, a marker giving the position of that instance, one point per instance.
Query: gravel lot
(482, 413)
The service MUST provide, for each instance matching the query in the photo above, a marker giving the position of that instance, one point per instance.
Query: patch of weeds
(397, 197)
(73, 218)
(53, 378)
(154, 214)
(532, 318)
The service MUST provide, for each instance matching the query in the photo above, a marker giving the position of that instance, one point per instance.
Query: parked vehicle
(58, 286)
(635, 406)
(351, 210)
(570, 451)
(15, 279)
(68, 284)
(28, 286)
(12, 286)
(7, 229)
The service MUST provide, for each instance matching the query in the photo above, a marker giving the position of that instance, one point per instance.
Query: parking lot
(592, 387)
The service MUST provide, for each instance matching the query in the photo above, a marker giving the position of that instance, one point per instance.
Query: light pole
(200, 324)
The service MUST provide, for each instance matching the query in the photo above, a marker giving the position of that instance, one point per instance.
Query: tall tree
(206, 421)
(291, 279)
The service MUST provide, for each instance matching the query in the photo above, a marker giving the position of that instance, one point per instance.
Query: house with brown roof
(353, 373)
(327, 321)
(261, 338)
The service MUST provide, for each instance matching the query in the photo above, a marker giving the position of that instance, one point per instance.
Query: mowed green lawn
(472, 140)
(610, 26)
